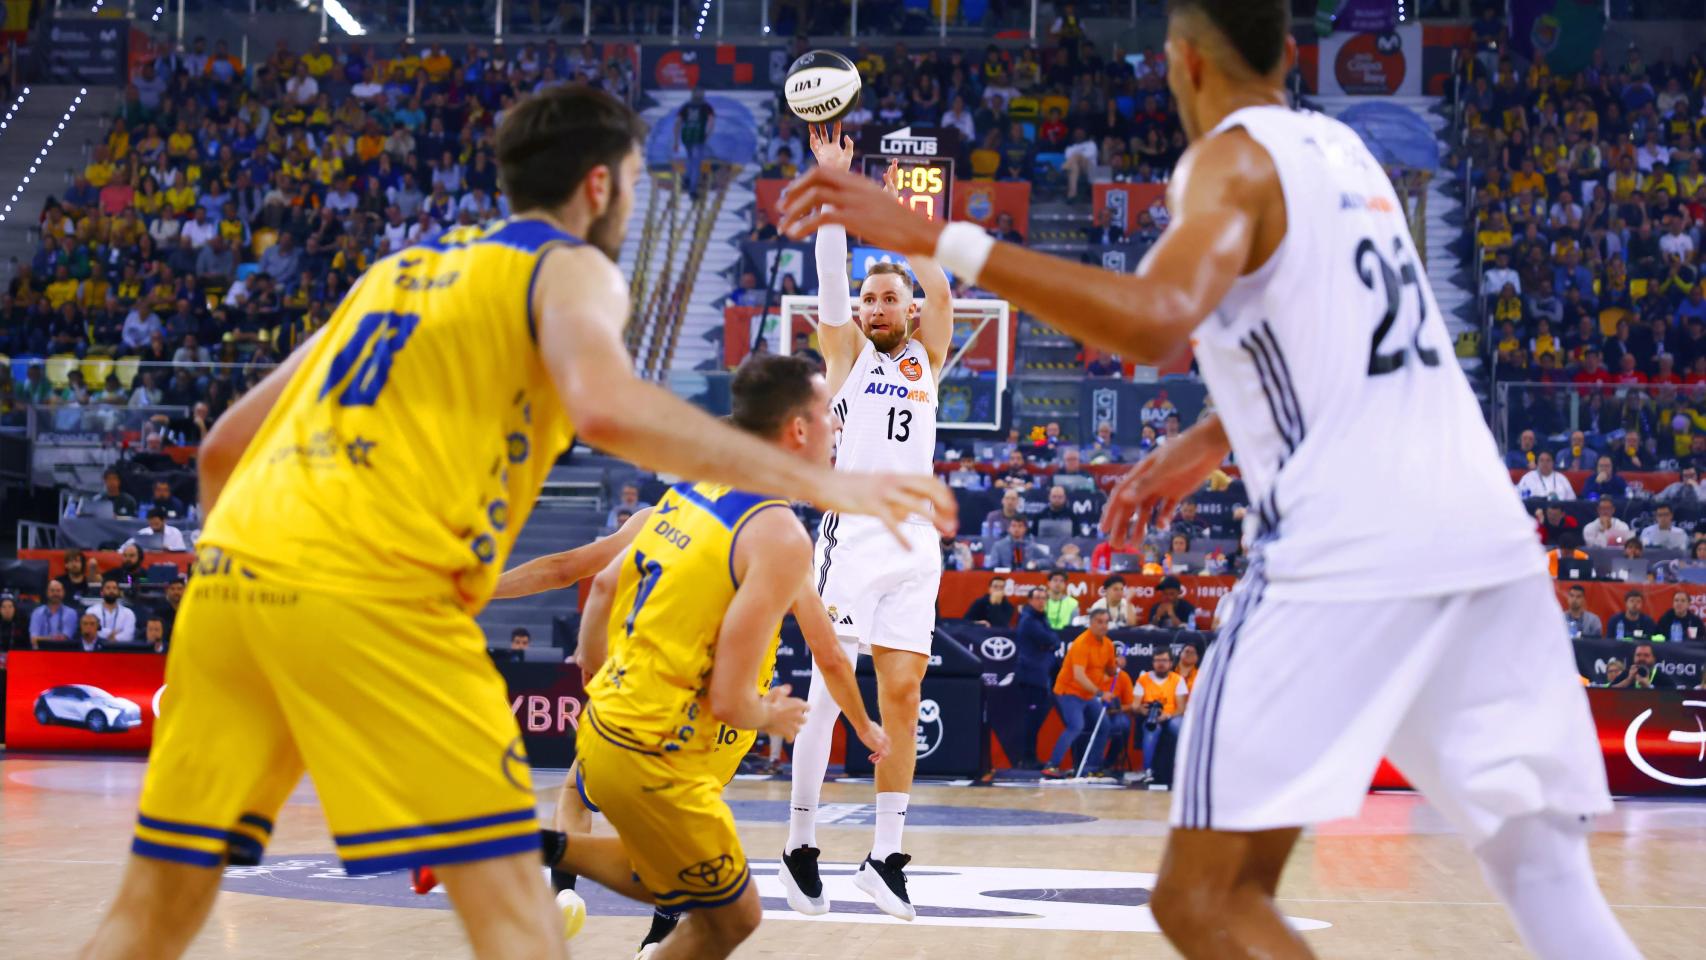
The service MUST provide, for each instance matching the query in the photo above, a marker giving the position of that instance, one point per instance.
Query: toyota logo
(1697, 736)
(998, 648)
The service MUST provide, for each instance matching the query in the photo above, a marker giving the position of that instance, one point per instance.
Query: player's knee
(1185, 908)
(167, 889)
(900, 700)
(731, 925)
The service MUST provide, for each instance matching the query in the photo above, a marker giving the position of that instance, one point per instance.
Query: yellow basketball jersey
(407, 451)
(676, 584)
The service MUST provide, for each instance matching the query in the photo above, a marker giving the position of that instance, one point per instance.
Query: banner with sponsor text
(1381, 63)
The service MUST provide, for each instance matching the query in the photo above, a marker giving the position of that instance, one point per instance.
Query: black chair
(1057, 531)
(26, 578)
(565, 633)
(974, 506)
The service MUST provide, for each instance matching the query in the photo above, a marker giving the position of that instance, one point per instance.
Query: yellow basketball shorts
(731, 748)
(394, 707)
(670, 814)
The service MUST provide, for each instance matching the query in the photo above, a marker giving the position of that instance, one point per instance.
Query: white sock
(811, 757)
(891, 820)
(1538, 865)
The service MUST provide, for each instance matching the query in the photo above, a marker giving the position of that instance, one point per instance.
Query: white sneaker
(646, 951)
(885, 883)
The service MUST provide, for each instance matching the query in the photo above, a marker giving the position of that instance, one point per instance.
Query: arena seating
(114, 288)
(1588, 201)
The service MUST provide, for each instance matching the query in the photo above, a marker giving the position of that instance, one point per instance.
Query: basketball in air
(821, 86)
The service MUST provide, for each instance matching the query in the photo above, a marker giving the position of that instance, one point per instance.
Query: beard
(608, 231)
(887, 340)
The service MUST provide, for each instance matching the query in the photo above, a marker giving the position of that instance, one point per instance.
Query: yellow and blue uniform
(652, 756)
(330, 624)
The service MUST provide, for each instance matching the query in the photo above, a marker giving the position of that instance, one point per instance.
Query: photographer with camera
(1164, 696)
(1644, 672)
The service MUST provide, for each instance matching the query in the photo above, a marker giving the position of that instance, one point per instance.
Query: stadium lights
(41, 157)
(340, 15)
(12, 111)
(704, 13)
(158, 10)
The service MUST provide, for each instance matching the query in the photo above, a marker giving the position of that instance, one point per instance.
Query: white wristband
(963, 248)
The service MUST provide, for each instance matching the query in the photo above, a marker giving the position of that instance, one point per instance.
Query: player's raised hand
(783, 715)
(832, 150)
(891, 178)
(825, 196)
(891, 498)
(1162, 479)
(875, 739)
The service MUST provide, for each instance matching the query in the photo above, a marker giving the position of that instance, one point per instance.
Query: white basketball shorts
(876, 592)
(1474, 697)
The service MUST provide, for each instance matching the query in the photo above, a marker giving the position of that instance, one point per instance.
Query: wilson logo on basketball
(911, 369)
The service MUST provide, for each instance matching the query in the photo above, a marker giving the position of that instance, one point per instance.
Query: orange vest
(1166, 691)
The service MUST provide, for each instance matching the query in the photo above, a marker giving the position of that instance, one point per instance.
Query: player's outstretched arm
(224, 444)
(769, 556)
(1224, 192)
(558, 571)
(582, 301)
(837, 673)
(936, 316)
(594, 636)
(839, 340)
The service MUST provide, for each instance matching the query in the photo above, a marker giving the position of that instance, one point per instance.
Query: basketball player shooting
(1289, 266)
(883, 373)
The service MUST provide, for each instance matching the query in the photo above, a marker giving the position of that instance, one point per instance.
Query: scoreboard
(926, 157)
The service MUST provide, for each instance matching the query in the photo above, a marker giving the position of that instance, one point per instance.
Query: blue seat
(162, 572)
(1050, 161)
(247, 270)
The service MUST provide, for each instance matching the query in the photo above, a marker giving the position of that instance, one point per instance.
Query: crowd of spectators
(1040, 502)
(131, 606)
(227, 211)
(1589, 205)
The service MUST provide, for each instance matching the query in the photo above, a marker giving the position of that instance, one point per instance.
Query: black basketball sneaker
(801, 881)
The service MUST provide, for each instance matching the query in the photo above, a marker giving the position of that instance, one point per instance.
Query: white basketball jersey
(887, 409)
(1369, 468)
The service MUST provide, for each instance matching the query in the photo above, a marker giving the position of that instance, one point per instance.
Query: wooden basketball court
(1000, 872)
